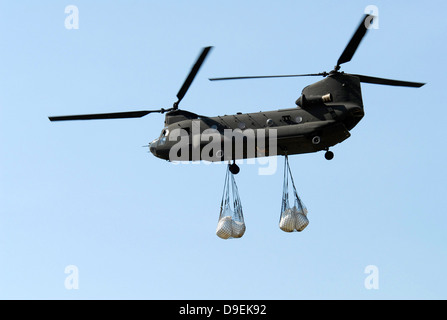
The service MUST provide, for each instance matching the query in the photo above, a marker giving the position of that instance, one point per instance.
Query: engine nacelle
(306, 101)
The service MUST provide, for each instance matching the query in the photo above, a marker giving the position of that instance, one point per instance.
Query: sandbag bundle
(292, 218)
(231, 223)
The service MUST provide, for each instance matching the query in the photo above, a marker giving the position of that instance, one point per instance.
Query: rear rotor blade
(276, 76)
(388, 82)
(99, 116)
(192, 74)
(353, 44)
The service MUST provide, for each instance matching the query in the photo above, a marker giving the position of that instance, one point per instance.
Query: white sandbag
(295, 218)
(301, 221)
(288, 221)
(238, 229)
(224, 228)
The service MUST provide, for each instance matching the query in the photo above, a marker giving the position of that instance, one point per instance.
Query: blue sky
(136, 227)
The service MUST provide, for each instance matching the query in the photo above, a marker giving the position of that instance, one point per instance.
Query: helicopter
(324, 115)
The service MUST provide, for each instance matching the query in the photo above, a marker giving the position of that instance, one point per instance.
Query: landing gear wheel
(234, 168)
(329, 155)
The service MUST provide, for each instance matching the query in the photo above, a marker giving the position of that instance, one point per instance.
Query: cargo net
(231, 220)
(295, 218)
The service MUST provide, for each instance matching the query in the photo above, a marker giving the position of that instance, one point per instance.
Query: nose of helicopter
(153, 147)
(158, 148)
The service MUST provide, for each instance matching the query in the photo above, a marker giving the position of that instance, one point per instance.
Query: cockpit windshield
(163, 136)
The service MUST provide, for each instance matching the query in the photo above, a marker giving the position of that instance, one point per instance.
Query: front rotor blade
(388, 82)
(353, 44)
(277, 76)
(192, 73)
(100, 116)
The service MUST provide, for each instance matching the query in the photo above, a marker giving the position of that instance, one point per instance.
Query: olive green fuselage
(312, 126)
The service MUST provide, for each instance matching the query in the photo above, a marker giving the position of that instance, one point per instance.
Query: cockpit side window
(163, 137)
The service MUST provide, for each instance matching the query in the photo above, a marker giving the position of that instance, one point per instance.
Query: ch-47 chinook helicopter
(326, 111)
